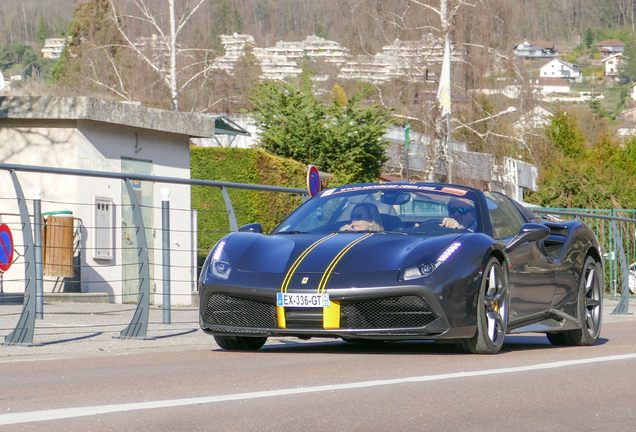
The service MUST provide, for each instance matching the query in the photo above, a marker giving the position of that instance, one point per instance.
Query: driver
(461, 212)
(364, 217)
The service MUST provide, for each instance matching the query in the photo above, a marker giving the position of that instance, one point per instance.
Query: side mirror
(529, 232)
(253, 228)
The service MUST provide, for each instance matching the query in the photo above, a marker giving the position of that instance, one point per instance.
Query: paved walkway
(86, 329)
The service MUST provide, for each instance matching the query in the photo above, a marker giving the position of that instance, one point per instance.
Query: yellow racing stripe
(332, 265)
(300, 259)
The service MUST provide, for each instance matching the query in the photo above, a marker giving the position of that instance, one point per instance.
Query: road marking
(65, 413)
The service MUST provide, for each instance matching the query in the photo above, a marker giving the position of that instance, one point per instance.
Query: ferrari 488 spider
(399, 261)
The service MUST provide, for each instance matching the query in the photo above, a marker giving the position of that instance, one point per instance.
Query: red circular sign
(313, 181)
(6, 248)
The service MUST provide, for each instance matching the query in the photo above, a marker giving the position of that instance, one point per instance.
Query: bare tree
(160, 50)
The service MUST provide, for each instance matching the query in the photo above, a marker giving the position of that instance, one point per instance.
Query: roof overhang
(120, 113)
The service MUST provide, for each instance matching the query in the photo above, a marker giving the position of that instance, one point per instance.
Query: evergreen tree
(589, 38)
(43, 32)
(627, 68)
(596, 107)
(344, 140)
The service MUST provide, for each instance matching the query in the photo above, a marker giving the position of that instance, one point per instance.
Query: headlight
(219, 265)
(426, 269)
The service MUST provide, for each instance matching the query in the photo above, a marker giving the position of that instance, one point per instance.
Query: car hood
(342, 252)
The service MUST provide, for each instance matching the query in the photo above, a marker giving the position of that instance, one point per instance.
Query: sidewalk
(86, 329)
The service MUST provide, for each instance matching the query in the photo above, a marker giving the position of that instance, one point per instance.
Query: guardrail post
(231, 214)
(139, 325)
(37, 244)
(623, 305)
(23, 333)
(165, 240)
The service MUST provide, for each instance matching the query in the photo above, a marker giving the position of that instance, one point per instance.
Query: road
(329, 385)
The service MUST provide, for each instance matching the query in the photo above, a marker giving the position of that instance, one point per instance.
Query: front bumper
(387, 313)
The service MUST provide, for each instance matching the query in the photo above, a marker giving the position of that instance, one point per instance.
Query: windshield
(389, 208)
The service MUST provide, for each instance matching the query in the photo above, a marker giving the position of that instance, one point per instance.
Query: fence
(150, 258)
(616, 232)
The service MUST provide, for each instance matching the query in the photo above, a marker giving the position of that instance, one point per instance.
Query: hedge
(253, 166)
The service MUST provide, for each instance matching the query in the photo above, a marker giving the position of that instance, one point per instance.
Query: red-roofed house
(535, 49)
(610, 47)
(546, 86)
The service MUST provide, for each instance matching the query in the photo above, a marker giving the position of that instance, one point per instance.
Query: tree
(627, 67)
(344, 140)
(596, 106)
(43, 32)
(134, 50)
(165, 66)
(589, 38)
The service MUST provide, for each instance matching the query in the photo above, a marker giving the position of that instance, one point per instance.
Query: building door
(130, 249)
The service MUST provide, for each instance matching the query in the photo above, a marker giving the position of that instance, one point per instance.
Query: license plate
(302, 300)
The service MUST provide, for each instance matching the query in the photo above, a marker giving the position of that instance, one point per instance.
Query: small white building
(546, 86)
(536, 118)
(626, 130)
(611, 65)
(557, 68)
(111, 137)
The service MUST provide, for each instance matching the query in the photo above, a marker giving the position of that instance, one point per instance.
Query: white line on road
(65, 413)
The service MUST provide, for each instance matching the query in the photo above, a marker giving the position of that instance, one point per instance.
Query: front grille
(238, 331)
(227, 310)
(391, 312)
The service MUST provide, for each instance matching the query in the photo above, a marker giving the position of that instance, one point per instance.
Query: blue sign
(313, 181)
(6, 248)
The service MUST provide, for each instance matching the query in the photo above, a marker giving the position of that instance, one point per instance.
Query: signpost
(313, 181)
(407, 130)
(6, 248)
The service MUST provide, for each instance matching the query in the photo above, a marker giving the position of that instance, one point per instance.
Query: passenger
(461, 212)
(364, 217)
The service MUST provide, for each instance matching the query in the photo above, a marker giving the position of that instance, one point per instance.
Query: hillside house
(535, 49)
(610, 47)
(557, 68)
(632, 91)
(626, 130)
(536, 118)
(53, 48)
(611, 65)
(628, 115)
(546, 86)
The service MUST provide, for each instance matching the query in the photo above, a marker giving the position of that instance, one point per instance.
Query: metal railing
(138, 236)
(167, 272)
(616, 233)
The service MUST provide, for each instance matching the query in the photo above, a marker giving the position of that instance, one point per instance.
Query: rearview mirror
(253, 227)
(528, 233)
(395, 198)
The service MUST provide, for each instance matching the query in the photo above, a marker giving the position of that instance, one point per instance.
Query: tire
(493, 307)
(589, 309)
(240, 343)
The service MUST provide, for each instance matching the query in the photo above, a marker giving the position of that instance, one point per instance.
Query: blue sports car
(399, 261)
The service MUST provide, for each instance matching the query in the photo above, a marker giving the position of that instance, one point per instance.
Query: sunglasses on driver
(361, 216)
(460, 210)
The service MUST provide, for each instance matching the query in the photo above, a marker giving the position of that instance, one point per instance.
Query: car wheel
(240, 343)
(589, 309)
(492, 311)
